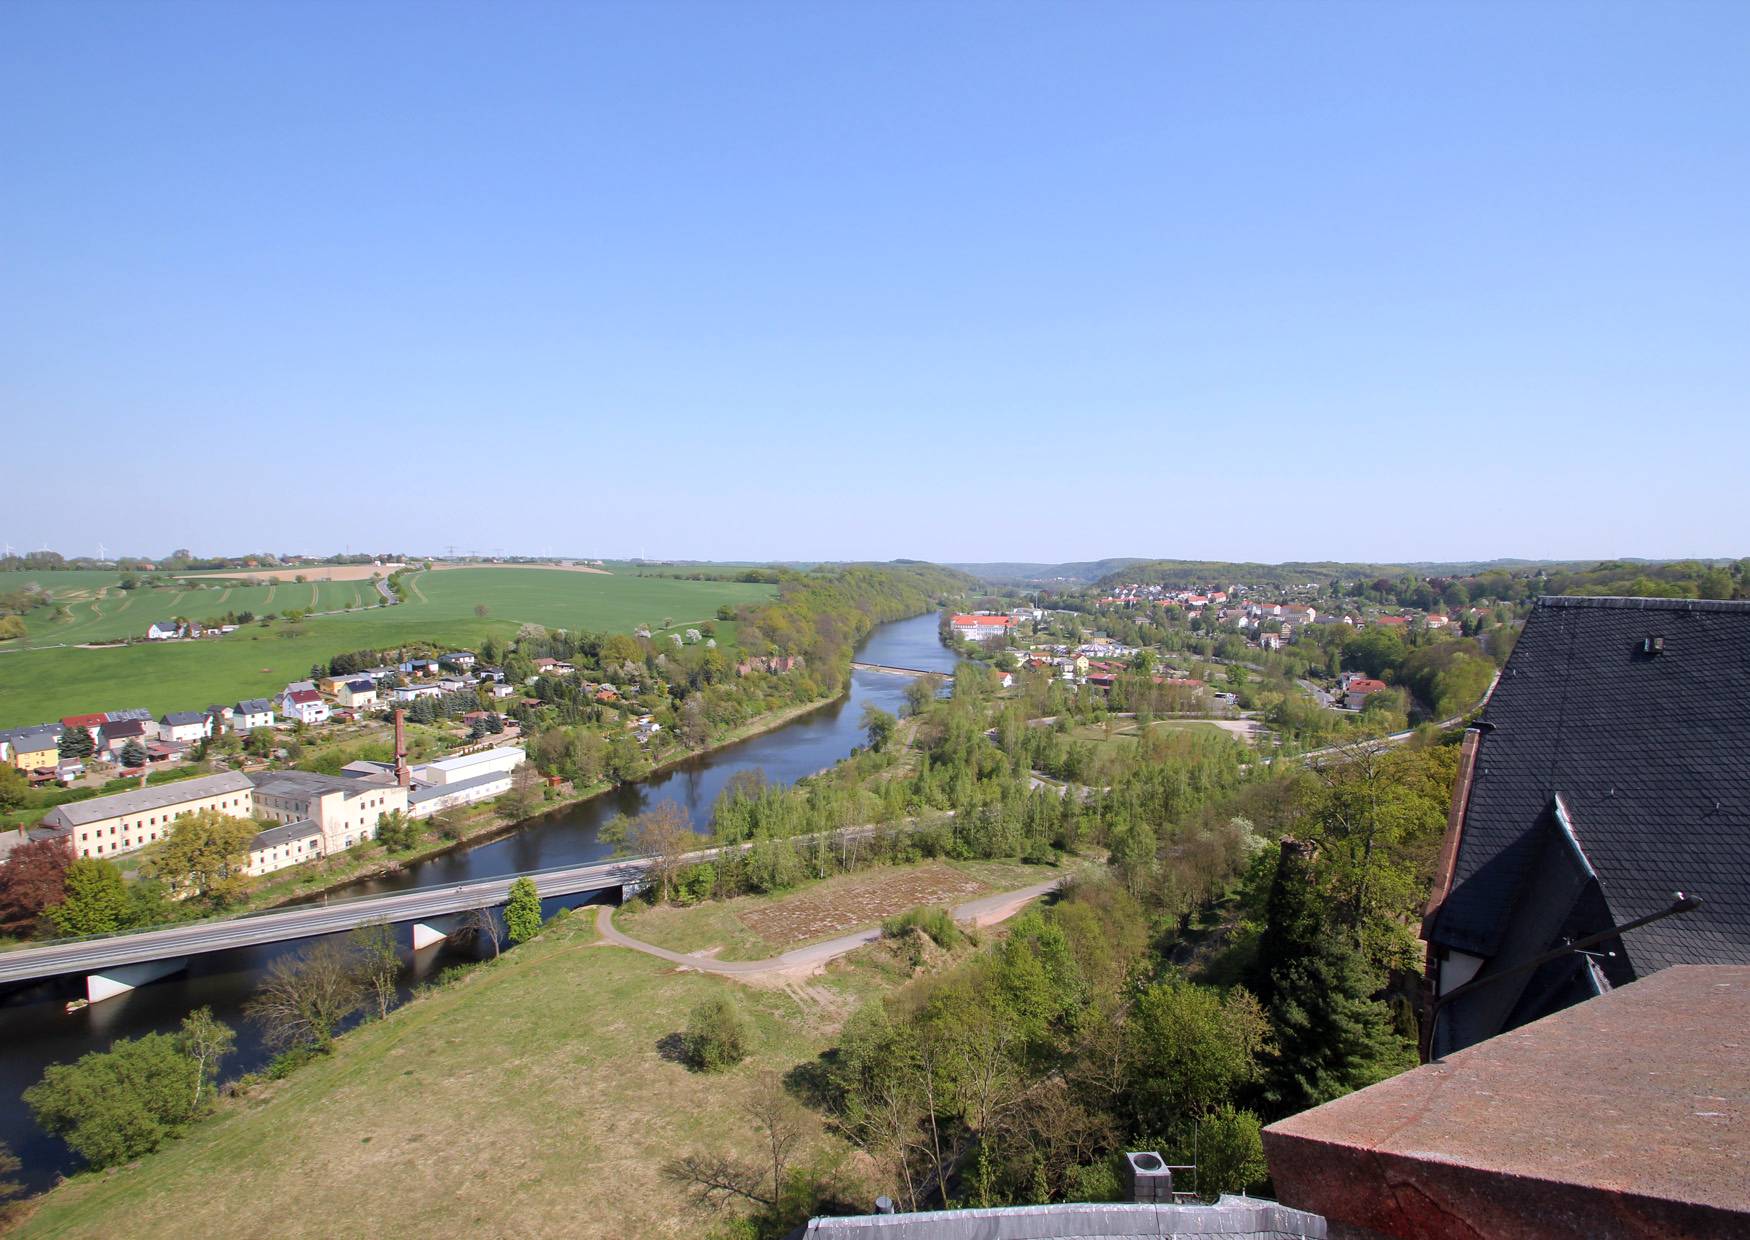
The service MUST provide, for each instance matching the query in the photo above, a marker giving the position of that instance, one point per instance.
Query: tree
(33, 876)
(304, 998)
(95, 900)
(206, 853)
(664, 835)
(524, 796)
(9, 1187)
(478, 923)
(717, 1035)
(14, 787)
(115, 1105)
(1230, 1153)
(781, 1126)
(133, 755)
(1191, 1050)
(206, 1040)
(879, 725)
(378, 961)
(522, 915)
(481, 611)
(75, 743)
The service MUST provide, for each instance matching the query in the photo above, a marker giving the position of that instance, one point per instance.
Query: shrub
(717, 1035)
(937, 923)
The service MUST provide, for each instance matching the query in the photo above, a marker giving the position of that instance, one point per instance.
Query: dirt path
(803, 962)
(412, 580)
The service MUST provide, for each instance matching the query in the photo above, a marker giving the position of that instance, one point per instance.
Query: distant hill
(1083, 572)
(1623, 576)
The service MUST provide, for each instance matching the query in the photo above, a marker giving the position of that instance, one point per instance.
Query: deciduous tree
(522, 914)
(33, 877)
(206, 853)
(304, 998)
(95, 899)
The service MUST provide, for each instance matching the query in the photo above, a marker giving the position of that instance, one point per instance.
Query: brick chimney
(403, 776)
(1147, 1178)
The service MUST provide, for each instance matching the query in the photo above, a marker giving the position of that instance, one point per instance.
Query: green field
(48, 683)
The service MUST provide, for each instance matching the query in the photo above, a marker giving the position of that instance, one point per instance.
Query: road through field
(985, 911)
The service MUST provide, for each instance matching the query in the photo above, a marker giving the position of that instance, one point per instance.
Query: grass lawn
(45, 684)
(756, 927)
(531, 1098)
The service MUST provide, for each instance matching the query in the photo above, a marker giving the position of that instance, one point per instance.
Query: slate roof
(1650, 754)
(140, 800)
(182, 718)
(286, 833)
(121, 729)
(255, 706)
(419, 795)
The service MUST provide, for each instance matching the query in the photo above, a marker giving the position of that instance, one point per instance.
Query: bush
(937, 923)
(717, 1035)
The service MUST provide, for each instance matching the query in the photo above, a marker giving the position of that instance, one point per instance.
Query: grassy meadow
(47, 675)
(536, 1097)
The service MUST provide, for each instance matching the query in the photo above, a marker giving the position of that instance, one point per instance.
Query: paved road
(984, 911)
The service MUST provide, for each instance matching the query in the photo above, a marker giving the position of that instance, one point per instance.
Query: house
(117, 733)
(251, 713)
(977, 628)
(126, 821)
(162, 631)
(645, 727)
(184, 727)
(358, 693)
(553, 667)
(451, 684)
(304, 706)
(1437, 622)
(1357, 689)
(1394, 622)
(501, 690)
(93, 724)
(1606, 773)
(461, 660)
(408, 693)
(419, 667)
(36, 748)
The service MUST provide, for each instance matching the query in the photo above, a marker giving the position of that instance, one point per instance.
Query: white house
(184, 727)
(161, 631)
(251, 713)
(305, 706)
(407, 693)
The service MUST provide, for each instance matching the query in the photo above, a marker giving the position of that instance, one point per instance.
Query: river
(36, 1031)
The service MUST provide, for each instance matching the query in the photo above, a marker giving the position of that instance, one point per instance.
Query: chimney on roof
(1147, 1178)
(403, 776)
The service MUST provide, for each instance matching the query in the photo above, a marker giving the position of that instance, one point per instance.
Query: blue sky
(954, 281)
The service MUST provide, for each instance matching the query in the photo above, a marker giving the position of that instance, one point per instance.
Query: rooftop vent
(1147, 1177)
(1653, 644)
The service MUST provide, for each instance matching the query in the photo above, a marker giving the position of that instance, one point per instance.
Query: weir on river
(36, 1030)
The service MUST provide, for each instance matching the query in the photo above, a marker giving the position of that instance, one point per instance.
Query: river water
(35, 1029)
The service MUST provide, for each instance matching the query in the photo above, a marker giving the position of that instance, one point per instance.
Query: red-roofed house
(981, 628)
(304, 705)
(1355, 693)
(93, 724)
(1394, 621)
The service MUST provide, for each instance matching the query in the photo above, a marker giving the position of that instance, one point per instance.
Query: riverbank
(482, 824)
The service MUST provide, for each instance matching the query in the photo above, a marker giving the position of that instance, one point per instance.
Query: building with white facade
(126, 821)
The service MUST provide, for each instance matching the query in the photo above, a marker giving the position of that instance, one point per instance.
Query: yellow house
(31, 749)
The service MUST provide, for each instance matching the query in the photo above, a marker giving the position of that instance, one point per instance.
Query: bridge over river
(115, 964)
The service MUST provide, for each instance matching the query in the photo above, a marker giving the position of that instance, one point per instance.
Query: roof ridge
(1628, 603)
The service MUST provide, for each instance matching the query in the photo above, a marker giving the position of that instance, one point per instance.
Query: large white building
(127, 821)
(981, 628)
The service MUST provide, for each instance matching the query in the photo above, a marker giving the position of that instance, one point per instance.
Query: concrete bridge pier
(631, 889)
(429, 930)
(121, 978)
